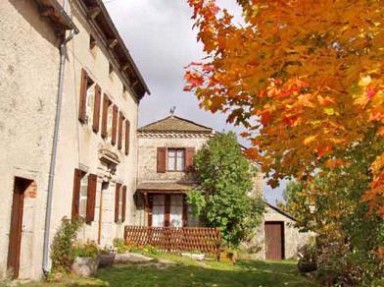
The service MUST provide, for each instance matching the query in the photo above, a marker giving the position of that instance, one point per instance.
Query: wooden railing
(176, 239)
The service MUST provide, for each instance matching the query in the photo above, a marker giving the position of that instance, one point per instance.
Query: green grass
(215, 274)
(189, 273)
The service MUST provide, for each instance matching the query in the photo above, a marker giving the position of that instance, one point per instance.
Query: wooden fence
(176, 239)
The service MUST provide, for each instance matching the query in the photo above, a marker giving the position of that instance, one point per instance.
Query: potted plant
(106, 257)
(85, 259)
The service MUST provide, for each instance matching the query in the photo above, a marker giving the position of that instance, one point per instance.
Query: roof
(175, 124)
(154, 187)
(53, 9)
(99, 16)
(280, 211)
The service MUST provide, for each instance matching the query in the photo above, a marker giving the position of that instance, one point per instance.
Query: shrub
(61, 247)
(308, 257)
(88, 249)
(120, 245)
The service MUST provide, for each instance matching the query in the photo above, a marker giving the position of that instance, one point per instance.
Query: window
(84, 195)
(120, 203)
(121, 133)
(109, 122)
(176, 159)
(106, 108)
(89, 102)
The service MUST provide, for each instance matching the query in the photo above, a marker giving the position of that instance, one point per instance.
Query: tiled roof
(175, 124)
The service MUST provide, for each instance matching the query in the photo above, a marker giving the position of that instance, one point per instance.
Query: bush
(61, 247)
(120, 245)
(308, 257)
(88, 249)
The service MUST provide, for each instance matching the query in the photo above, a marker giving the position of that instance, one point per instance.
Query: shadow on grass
(245, 274)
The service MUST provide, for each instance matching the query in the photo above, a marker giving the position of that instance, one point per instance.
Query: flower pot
(106, 260)
(85, 266)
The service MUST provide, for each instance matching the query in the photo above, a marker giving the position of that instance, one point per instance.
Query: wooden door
(13, 262)
(274, 240)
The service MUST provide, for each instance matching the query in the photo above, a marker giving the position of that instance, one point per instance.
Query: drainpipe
(54, 152)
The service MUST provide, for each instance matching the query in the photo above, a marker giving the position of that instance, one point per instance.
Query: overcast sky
(159, 36)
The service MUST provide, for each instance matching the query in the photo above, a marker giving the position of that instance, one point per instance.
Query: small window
(176, 159)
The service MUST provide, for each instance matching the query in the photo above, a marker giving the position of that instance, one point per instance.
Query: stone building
(166, 150)
(70, 94)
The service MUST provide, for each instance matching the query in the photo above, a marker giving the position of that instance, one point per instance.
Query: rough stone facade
(147, 163)
(293, 239)
(29, 65)
(29, 76)
(79, 146)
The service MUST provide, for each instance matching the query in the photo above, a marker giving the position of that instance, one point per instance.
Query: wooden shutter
(127, 136)
(104, 123)
(161, 159)
(114, 124)
(189, 153)
(96, 110)
(117, 197)
(83, 96)
(76, 193)
(124, 205)
(150, 209)
(120, 134)
(185, 211)
(91, 198)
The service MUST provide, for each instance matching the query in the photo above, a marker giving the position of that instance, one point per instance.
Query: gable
(175, 124)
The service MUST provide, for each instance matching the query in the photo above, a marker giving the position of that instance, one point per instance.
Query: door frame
(282, 228)
(20, 186)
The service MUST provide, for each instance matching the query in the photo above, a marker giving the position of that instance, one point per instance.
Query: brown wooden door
(13, 263)
(274, 240)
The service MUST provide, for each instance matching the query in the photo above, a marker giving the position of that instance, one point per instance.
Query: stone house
(69, 107)
(166, 150)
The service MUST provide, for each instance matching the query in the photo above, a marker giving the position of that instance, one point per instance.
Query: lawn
(189, 273)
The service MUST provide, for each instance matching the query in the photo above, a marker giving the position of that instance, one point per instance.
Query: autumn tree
(222, 198)
(348, 240)
(305, 78)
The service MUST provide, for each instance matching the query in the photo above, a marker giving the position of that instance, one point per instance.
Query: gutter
(48, 212)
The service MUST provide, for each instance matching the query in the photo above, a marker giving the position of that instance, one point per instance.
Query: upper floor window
(89, 102)
(176, 159)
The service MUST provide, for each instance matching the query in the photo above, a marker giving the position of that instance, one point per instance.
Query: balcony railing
(176, 239)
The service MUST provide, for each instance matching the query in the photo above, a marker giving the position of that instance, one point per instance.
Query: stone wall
(148, 155)
(29, 65)
(79, 145)
(293, 240)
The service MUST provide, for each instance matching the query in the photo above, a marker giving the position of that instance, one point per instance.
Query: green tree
(222, 198)
(349, 240)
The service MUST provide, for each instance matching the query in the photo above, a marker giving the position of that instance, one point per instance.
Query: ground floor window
(167, 210)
